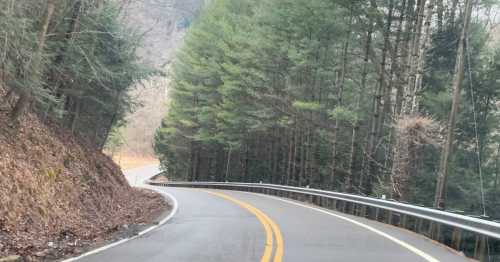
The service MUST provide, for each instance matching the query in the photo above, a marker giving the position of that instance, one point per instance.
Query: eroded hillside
(58, 195)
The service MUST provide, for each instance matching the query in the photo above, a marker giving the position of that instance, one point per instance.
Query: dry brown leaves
(57, 196)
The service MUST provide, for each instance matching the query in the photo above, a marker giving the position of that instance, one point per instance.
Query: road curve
(213, 225)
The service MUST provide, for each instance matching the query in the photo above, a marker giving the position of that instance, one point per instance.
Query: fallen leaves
(58, 196)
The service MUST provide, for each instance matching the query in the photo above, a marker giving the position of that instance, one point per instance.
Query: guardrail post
(456, 238)
(355, 209)
(377, 212)
(435, 231)
(348, 207)
(333, 204)
(480, 248)
(418, 225)
(389, 217)
(321, 201)
(363, 211)
(403, 221)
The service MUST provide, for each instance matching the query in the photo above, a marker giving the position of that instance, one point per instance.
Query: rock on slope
(57, 195)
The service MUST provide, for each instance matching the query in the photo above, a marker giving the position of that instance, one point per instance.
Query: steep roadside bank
(57, 196)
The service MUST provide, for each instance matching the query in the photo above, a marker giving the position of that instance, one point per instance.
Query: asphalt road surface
(230, 226)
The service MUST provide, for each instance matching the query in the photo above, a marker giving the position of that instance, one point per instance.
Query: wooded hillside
(66, 69)
(369, 97)
(69, 61)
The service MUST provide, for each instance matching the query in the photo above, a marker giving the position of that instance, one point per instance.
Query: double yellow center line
(270, 227)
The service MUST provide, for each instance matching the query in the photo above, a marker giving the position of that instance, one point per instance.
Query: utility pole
(440, 196)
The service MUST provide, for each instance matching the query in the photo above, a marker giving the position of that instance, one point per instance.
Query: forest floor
(60, 197)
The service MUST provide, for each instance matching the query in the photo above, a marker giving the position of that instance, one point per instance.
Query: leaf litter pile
(58, 196)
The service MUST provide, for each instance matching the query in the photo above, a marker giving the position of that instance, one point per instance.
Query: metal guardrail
(475, 237)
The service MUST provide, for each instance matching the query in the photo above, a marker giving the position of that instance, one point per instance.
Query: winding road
(230, 226)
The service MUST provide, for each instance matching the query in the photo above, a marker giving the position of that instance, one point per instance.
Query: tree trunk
(404, 67)
(274, 160)
(190, 173)
(194, 163)
(284, 156)
(453, 12)
(440, 12)
(414, 60)
(112, 120)
(425, 42)
(21, 105)
(245, 163)
(376, 125)
(25, 96)
(301, 159)
(45, 26)
(396, 61)
(495, 188)
(355, 129)
(73, 27)
(226, 177)
(290, 156)
(220, 164)
(309, 156)
(340, 80)
(294, 159)
(440, 197)
(394, 64)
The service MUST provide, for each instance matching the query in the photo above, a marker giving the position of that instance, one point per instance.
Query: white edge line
(119, 242)
(413, 249)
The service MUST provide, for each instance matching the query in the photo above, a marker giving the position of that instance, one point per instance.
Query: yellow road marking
(269, 226)
(413, 249)
(278, 256)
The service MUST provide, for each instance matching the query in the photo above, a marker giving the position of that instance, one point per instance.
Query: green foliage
(307, 106)
(81, 75)
(257, 94)
(343, 114)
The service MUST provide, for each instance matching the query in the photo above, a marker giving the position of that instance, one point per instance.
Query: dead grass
(130, 161)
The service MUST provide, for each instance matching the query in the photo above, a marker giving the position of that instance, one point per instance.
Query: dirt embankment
(57, 196)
